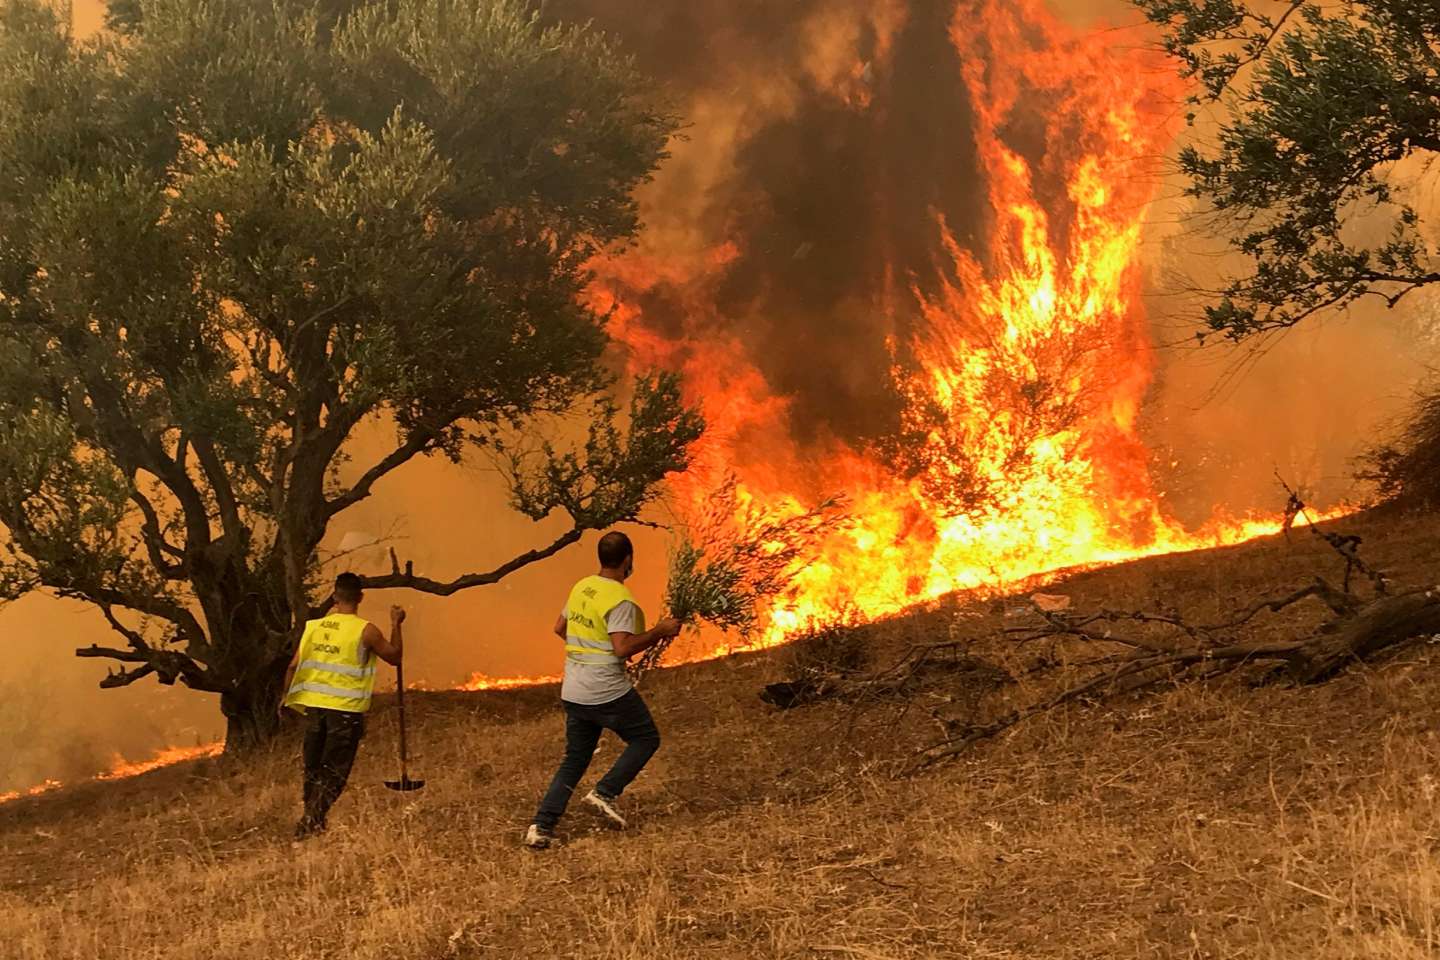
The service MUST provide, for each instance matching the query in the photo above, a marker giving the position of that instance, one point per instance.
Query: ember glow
(120, 768)
(481, 681)
(34, 791)
(1022, 378)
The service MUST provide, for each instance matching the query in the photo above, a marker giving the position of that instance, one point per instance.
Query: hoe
(404, 784)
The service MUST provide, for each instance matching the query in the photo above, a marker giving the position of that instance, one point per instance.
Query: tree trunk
(252, 709)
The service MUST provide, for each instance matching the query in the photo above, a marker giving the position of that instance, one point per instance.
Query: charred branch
(1346, 545)
(1340, 603)
(1352, 637)
(1370, 630)
(168, 666)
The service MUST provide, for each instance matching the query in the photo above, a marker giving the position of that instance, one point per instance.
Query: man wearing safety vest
(602, 627)
(330, 682)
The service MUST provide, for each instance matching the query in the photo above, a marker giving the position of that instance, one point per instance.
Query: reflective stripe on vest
(344, 669)
(335, 670)
(329, 691)
(587, 637)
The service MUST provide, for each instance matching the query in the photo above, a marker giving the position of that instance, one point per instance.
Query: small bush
(1406, 471)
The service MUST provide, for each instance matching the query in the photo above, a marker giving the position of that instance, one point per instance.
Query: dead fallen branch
(921, 666)
(1348, 546)
(1351, 637)
(1128, 651)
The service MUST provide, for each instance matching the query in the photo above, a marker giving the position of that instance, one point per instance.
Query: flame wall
(910, 271)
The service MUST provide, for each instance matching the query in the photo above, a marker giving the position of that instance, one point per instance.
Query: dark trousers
(630, 719)
(332, 738)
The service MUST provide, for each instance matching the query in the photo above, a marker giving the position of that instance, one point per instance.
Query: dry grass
(1206, 822)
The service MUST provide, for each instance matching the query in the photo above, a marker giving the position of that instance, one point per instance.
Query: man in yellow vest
(602, 627)
(330, 681)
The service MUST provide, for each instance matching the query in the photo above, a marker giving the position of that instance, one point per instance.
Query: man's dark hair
(615, 548)
(347, 588)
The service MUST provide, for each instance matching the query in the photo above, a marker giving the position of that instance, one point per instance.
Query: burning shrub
(1406, 471)
(735, 559)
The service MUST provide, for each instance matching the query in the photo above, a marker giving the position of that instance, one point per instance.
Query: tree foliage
(734, 558)
(1320, 103)
(232, 234)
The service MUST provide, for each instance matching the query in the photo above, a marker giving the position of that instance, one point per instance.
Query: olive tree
(1318, 105)
(234, 233)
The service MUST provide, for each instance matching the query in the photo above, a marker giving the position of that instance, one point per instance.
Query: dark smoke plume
(832, 189)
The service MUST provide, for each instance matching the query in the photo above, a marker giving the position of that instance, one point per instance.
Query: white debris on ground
(1050, 602)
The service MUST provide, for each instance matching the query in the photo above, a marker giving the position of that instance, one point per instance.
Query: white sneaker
(538, 838)
(606, 808)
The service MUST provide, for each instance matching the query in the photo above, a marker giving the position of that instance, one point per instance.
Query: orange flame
(1024, 375)
(481, 681)
(121, 768)
(34, 791)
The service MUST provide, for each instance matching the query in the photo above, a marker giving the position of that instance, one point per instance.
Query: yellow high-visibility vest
(587, 639)
(336, 670)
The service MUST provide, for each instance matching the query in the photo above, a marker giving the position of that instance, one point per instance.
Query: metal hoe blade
(405, 784)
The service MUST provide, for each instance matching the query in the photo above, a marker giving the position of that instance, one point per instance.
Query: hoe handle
(400, 703)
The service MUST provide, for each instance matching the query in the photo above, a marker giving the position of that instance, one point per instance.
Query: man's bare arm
(392, 650)
(628, 644)
(561, 627)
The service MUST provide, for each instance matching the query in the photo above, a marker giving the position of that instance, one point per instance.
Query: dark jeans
(630, 719)
(332, 738)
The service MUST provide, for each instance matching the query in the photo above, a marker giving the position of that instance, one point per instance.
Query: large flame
(1022, 378)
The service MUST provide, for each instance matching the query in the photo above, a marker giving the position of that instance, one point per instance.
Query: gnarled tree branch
(156, 546)
(167, 666)
(415, 445)
(406, 578)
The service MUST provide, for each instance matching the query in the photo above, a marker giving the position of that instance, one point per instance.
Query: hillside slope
(1220, 821)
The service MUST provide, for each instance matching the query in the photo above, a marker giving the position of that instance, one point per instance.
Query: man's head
(347, 590)
(617, 554)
